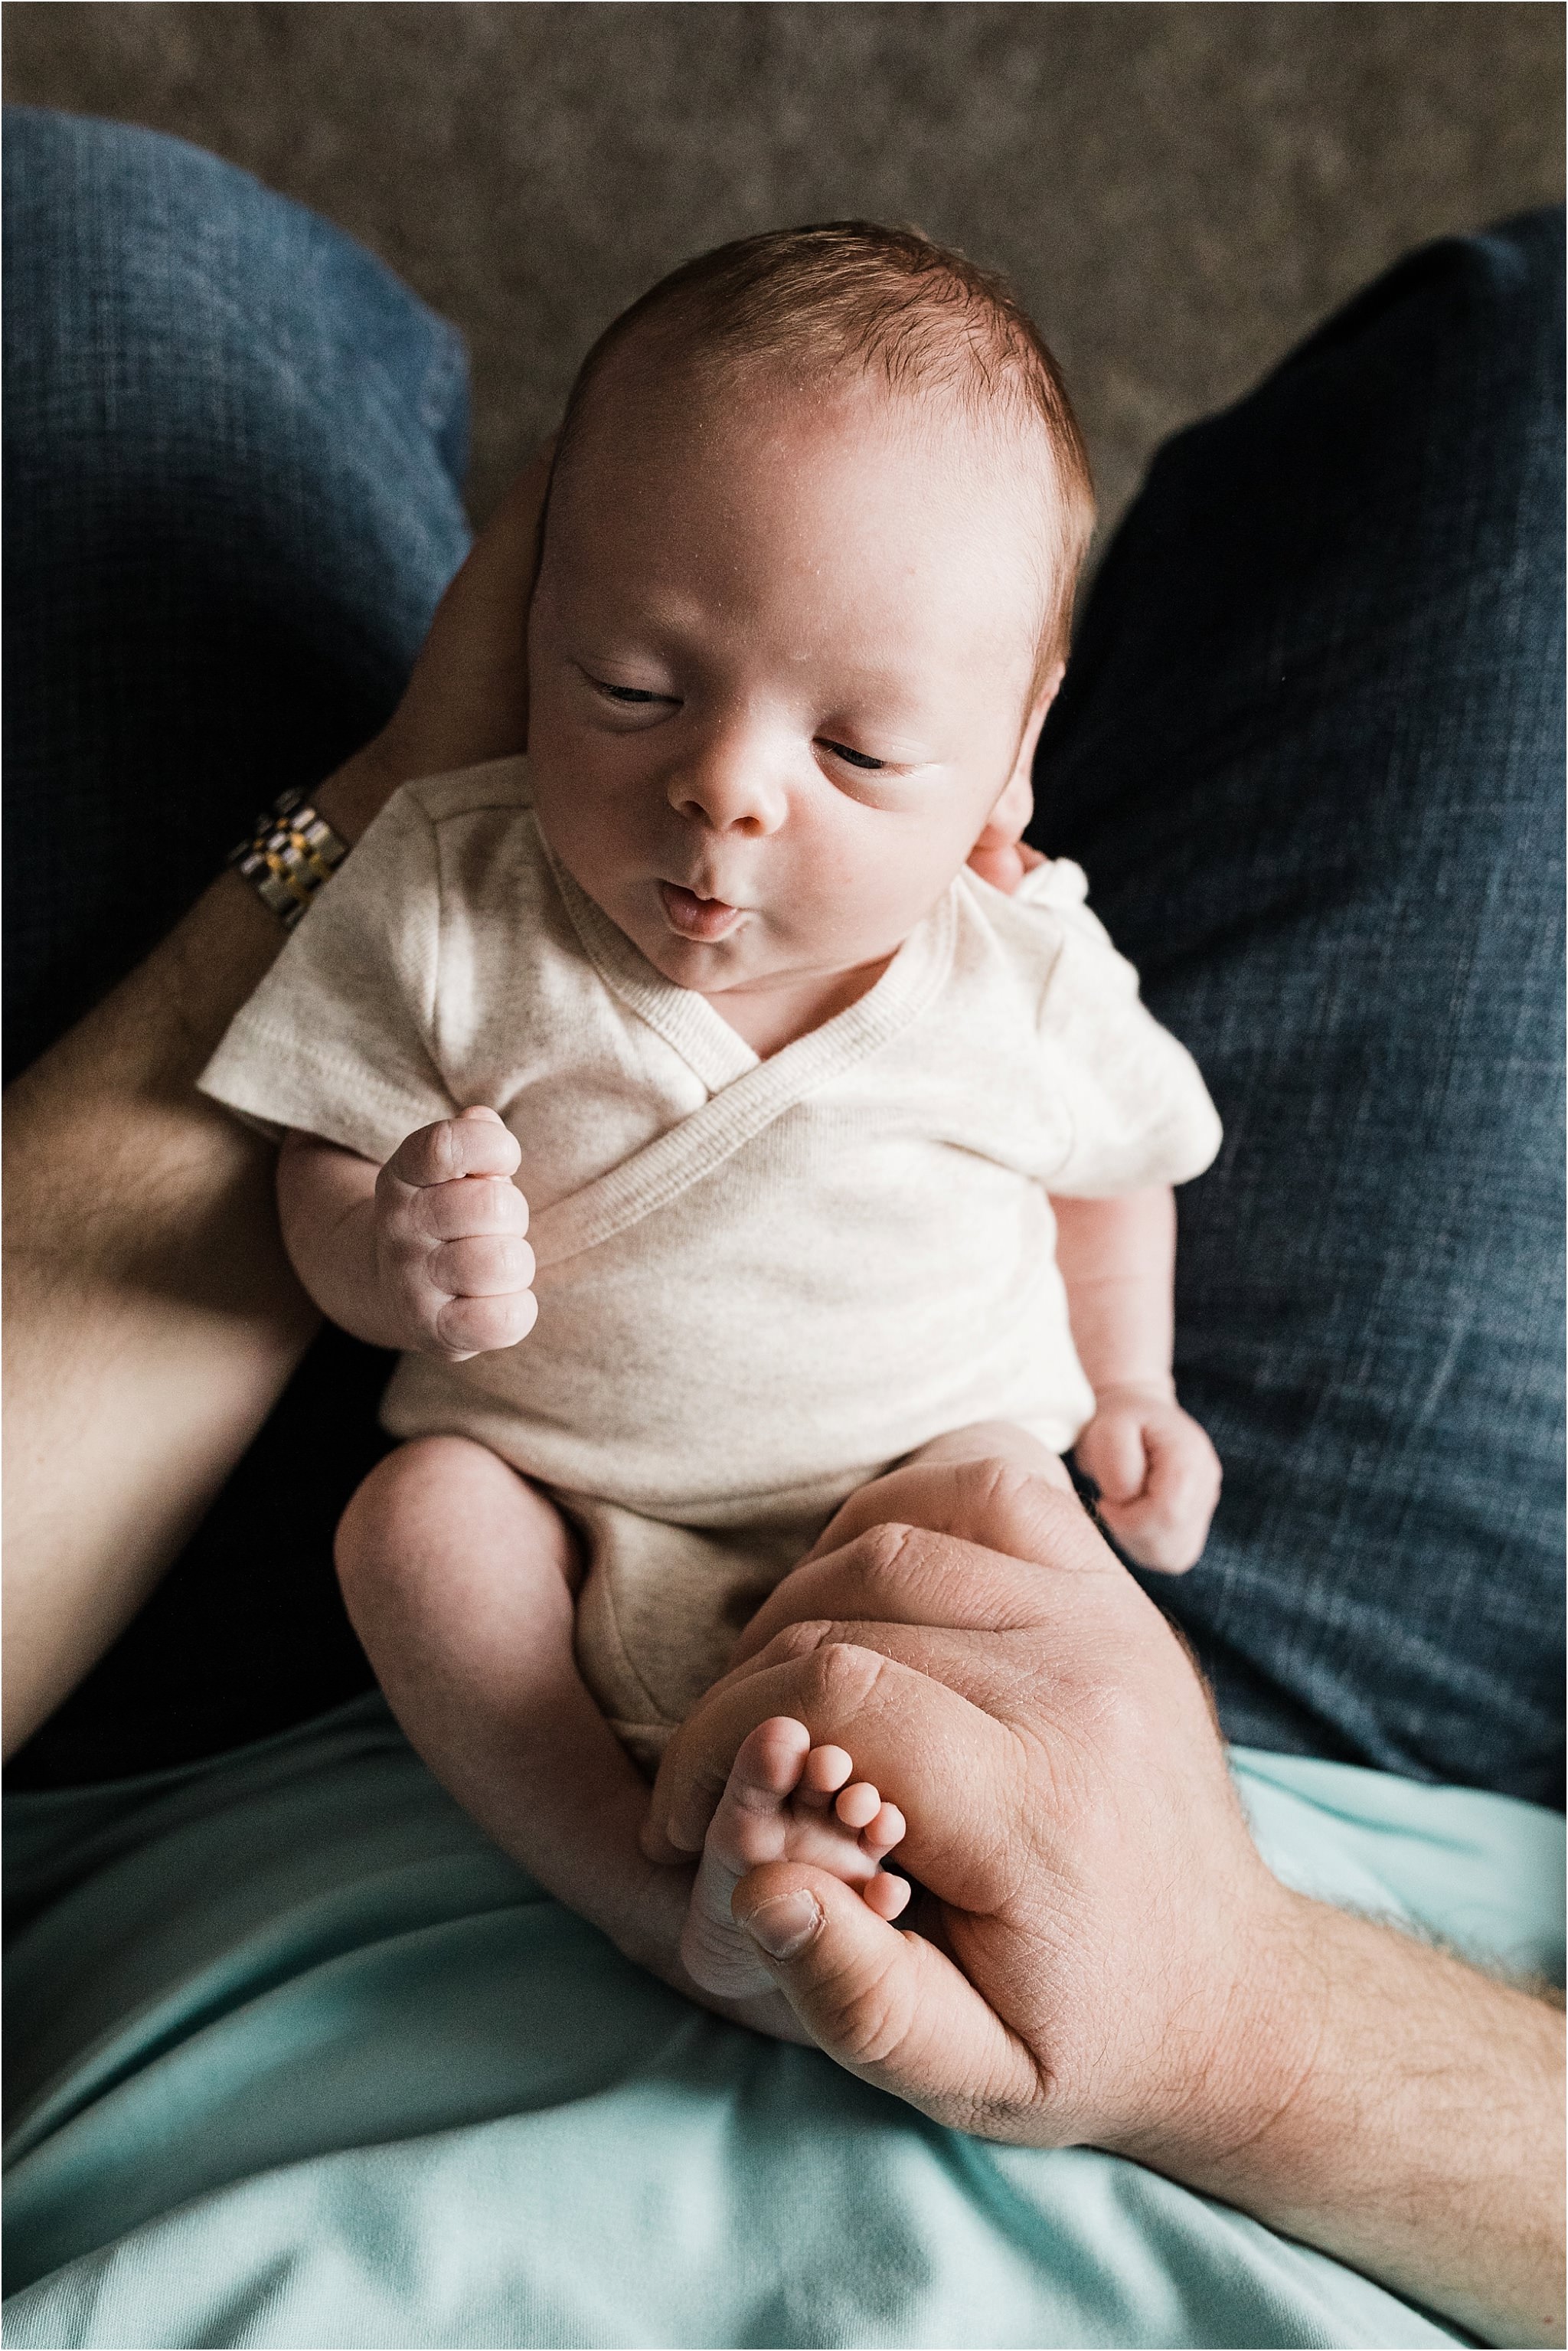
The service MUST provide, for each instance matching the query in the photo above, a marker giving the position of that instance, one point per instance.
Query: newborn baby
(835, 1153)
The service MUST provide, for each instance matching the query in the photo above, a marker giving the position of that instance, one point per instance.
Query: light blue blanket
(301, 2060)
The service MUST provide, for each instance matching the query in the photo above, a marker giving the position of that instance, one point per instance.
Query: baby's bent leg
(459, 1577)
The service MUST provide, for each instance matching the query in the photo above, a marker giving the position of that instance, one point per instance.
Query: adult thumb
(888, 2005)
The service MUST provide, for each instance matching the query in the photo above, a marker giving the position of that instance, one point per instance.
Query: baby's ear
(1007, 820)
(997, 856)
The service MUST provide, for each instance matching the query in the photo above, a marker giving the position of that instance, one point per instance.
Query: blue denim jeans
(1310, 750)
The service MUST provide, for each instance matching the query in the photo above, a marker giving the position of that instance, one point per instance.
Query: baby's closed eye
(855, 758)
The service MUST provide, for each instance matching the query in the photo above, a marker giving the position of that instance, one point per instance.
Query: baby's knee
(415, 1493)
(440, 1514)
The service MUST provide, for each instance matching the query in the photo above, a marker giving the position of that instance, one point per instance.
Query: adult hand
(1094, 1907)
(1103, 1957)
(467, 695)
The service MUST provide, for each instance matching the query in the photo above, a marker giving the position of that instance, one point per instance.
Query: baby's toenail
(785, 1925)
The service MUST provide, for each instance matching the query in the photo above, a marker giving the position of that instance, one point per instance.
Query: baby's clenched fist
(450, 1259)
(1157, 1473)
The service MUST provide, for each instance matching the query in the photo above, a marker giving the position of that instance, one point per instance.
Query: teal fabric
(302, 2060)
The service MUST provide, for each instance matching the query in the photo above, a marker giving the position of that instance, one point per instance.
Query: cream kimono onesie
(760, 1283)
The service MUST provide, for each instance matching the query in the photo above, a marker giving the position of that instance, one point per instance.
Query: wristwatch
(288, 856)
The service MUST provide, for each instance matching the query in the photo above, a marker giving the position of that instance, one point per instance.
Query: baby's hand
(1157, 1473)
(450, 1252)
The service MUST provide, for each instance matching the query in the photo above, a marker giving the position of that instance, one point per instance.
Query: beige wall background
(1179, 190)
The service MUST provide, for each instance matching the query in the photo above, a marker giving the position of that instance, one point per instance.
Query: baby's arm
(426, 1253)
(1157, 1473)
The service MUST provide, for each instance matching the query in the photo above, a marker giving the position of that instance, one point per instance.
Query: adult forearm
(151, 1318)
(154, 1318)
(1405, 2113)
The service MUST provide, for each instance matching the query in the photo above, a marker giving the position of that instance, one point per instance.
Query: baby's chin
(748, 967)
(687, 961)
(754, 957)
(714, 966)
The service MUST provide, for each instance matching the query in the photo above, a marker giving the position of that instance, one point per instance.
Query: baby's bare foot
(785, 1801)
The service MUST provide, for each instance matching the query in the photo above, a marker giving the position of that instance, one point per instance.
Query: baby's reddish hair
(854, 296)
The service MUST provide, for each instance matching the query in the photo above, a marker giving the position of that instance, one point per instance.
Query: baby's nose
(728, 792)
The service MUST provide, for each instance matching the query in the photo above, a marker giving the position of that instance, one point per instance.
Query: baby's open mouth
(697, 918)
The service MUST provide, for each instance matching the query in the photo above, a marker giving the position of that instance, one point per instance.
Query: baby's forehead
(959, 491)
(716, 409)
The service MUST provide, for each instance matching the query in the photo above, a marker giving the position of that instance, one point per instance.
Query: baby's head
(818, 509)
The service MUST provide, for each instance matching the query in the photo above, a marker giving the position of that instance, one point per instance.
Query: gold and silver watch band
(288, 856)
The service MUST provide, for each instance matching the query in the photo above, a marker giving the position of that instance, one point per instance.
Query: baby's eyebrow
(868, 681)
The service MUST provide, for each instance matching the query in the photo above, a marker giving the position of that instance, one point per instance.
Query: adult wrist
(354, 795)
(1388, 2103)
(1218, 2131)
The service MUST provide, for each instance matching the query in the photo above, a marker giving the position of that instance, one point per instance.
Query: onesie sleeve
(338, 1039)
(1138, 1110)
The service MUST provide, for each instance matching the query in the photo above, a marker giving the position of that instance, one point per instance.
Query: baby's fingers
(1167, 1526)
(1111, 1451)
(481, 1203)
(485, 1265)
(1184, 1471)
(1151, 1537)
(478, 1326)
(474, 1143)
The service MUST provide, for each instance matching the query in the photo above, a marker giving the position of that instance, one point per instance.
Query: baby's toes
(822, 1775)
(751, 1824)
(861, 1808)
(877, 1827)
(886, 1895)
(880, 1826)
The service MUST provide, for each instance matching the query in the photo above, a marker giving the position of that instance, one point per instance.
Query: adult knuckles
(1025, 1515)
(898, 1573)
(810, 1638)
(987, 1561)
(837, 1678)
(843, 1586)
(872, 1554)
(874, 1571)
(830, 1678)
(797, 1640)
